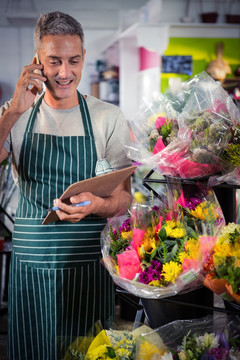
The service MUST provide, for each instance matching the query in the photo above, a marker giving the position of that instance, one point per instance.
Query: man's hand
(24, 95)
(119, 200)
(27, 88)
(77, 213)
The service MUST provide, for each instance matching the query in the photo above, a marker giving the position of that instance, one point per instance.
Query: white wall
(16, 49)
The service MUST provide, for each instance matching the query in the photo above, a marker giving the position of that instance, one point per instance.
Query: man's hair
(56, 23)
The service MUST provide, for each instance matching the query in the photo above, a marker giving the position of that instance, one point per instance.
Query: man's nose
(64, 70)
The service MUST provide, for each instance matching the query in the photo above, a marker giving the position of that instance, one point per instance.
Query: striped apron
(57, 287)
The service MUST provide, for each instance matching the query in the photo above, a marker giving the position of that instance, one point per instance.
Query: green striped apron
(58, 288)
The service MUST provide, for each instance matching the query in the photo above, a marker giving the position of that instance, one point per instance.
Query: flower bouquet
(153, 128)
(201, 339)
(208, 128)
(119, 345)
(157, 251)
(222, 270)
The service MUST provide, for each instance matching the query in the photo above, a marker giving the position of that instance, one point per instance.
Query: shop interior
(136, 50)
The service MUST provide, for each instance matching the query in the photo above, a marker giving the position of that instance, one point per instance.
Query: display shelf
(175, 29)
(189, 181)
(226, 193)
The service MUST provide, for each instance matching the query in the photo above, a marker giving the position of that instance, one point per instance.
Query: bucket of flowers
(222, 270)
(157, 251)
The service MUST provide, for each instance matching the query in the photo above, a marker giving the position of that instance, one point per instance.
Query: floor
(3, 335)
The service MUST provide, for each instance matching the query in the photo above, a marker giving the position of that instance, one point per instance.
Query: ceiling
(102, 14)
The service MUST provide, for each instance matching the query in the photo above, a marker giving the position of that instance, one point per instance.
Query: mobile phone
(39, 71)
(38, 62)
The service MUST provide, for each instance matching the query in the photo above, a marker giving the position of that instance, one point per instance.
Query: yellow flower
(223, 250)
(149, 245)
(139, 197)
(170, 271)
(204, 212)
(174, 229)
(127, 235)
(191, 249)
(148, 351)
(123, 353)
(156, 283)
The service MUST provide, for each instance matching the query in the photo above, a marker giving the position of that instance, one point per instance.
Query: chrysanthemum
(170, 271)
(152, 273)
(174, 229)
(223, 250)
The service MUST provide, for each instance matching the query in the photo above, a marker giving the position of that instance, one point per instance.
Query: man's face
(62, 58)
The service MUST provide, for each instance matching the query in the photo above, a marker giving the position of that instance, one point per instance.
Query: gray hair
(56, 23)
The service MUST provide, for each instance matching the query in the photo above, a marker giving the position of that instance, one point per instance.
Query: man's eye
(54, 63)
(74, 61)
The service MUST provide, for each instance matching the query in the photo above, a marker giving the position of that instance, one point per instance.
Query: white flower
(207, 340)
(166, 356)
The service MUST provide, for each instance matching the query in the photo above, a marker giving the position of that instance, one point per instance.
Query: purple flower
(153, 272)
(191, 203)
(218, 354)
(125, 227)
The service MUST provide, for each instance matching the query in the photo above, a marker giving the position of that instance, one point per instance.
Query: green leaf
(162, 234)
(170, 256)
(110, 353)
(153, 254)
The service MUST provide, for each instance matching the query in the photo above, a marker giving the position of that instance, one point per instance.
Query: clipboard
(102, 186)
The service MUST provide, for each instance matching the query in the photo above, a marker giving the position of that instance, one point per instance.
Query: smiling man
(58, 288)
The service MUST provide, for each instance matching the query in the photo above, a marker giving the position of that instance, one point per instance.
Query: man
(57, 288)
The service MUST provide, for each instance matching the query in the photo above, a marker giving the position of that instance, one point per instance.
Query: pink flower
(181, 200)
(160, 122)
(137, 239)
(189, 168)
(159, 225)
(159, 146)
(128, 264)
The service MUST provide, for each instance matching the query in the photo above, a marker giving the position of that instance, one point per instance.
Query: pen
(83, 203)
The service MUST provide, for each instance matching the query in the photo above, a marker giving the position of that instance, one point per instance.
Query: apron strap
(85, 116)
(83, 109)
(33, 114)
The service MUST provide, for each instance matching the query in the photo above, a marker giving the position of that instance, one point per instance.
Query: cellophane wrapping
(156, 251)
(190, 135)
(205, 338)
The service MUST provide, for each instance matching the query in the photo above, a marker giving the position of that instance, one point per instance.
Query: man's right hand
(27, 88)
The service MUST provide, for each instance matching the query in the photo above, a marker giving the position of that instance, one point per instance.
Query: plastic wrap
(157, 251)
(212, 338)
(205, 338)
(207, 121)
(152, 129)
(115, 344)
